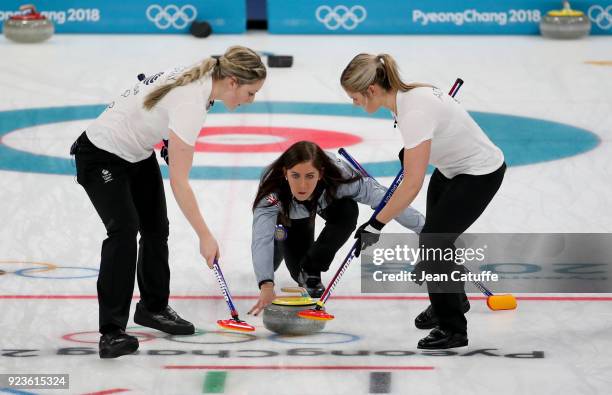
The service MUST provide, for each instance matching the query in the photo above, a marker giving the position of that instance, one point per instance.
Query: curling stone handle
(299, 290)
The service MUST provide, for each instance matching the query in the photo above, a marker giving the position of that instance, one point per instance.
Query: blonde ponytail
(187, 77)
(242, 63)
(366, 69)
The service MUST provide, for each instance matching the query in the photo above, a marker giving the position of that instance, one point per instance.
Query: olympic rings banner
(136, 16)
(425, 16)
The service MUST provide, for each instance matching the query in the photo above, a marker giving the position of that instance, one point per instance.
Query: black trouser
(453, 205)
(130, 199)
(301, 251)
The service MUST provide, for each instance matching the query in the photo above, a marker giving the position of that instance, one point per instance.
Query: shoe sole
(125, 349)
(444, 348)
(154, 325)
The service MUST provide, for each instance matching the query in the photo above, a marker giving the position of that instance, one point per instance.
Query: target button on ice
(267, 139)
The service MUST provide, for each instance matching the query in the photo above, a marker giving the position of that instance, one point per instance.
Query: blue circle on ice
(315, 339)
(26, 273)
(523, 140)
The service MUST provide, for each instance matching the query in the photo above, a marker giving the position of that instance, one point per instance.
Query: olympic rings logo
(341, 16)
(42, 270)
(171, 15)
(600, 16)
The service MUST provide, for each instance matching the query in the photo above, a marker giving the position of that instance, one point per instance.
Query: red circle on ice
(75, 336)
(285, 137)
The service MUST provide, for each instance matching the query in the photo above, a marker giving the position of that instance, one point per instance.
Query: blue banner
(424, 16)
(136, 16)
(256, 10)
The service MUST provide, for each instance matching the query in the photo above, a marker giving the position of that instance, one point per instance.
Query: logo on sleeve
(272, 199)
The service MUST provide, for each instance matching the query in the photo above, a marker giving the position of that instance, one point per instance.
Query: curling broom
(233, 323)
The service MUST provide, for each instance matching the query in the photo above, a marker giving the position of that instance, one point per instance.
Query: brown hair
(273, 177)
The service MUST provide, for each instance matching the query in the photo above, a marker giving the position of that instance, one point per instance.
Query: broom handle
(224, 289)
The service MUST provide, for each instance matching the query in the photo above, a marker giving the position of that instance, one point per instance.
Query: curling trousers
(301, 251)
(130, 200)
(453, 205)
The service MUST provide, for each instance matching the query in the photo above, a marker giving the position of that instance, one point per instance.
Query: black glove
(164, 152)
(400, 156)
(373, 228)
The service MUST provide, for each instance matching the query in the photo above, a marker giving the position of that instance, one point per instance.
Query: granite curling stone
(28, 26)
(281, 316)
(565, 24)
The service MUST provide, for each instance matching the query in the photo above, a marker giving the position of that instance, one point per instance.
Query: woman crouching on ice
(303, 182)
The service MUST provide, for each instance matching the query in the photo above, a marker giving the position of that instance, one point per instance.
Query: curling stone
(281, 316)
(28, 27)
(565, 24)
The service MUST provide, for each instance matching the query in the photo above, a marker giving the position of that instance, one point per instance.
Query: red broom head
(235, 325)
(314, 314)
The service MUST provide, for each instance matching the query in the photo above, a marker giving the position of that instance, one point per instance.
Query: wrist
(203, 233)
(376, 224)
(266, 284)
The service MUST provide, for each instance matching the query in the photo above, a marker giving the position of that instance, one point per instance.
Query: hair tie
(218, 61)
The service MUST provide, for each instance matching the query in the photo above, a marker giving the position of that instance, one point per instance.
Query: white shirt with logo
(131, 132)
(458, 144)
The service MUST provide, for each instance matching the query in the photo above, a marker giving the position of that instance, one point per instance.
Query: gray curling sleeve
(370, 192)
(262, 242)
